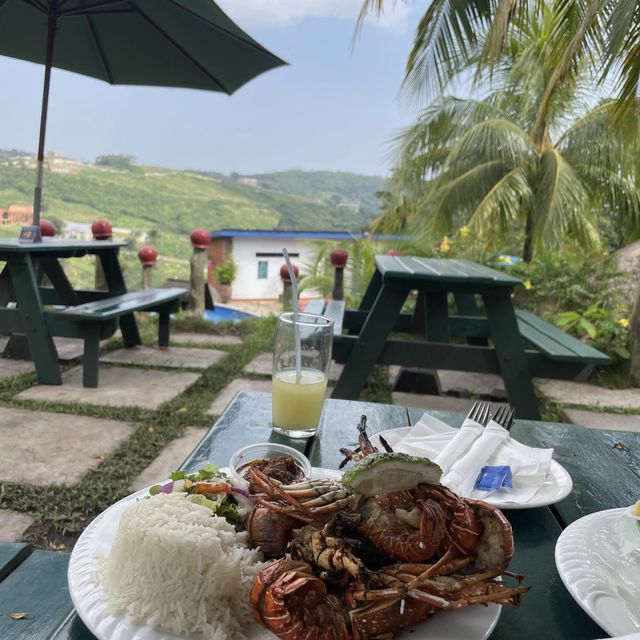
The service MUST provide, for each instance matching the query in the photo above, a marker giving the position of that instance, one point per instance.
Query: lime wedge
(386, 472)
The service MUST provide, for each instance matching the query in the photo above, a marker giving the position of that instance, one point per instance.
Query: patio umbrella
(165, 43)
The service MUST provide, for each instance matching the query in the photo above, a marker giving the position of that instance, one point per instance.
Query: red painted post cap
(394, 252)
(101, 230)
(200, 238)
(284, 272)
(47, 228)
(148, 256)
(339, 258)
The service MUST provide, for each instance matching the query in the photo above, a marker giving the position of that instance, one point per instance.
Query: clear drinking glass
(297, 403)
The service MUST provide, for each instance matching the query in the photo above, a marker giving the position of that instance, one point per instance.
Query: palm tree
(497, 164)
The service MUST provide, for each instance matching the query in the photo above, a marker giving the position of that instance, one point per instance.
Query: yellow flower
(624, 322)
(527, 284)
(465, 231)
(445, 245)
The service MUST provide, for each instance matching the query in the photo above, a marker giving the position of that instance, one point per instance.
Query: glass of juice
(297, 399)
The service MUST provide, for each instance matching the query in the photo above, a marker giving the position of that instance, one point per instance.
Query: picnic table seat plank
(554, 342)
(315, 306)
(12, 554)
(116, 306)
(333, 309)
(39, 587)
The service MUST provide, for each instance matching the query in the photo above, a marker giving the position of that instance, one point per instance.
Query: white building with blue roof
(258, 256)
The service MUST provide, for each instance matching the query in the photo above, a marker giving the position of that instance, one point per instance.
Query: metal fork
(504, 417)
(480, 412)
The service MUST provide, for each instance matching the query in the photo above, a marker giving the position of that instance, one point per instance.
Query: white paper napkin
(631, 636)
(465, 471)
(434, 439)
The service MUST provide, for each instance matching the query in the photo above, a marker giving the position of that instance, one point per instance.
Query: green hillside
(163, 206)
(328, 187)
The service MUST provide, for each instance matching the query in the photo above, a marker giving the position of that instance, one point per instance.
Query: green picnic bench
(95, 321)
(34, 313)
(487, 335)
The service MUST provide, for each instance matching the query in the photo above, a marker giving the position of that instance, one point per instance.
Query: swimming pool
(226, 314)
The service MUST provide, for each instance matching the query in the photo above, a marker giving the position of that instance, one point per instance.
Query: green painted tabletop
(442, 269)
(604, 465)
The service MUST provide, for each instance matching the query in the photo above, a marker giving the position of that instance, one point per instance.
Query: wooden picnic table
(487, 335)
(90, 314)
(604, 477)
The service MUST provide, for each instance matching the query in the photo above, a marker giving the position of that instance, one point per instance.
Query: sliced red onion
(243, 493)
(166, 488)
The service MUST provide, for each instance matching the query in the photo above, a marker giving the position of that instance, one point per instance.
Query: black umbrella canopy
(164, 43)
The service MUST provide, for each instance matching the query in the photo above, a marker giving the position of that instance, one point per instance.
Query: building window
(263, 267)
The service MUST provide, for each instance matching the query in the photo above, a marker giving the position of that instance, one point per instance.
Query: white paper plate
(473, 623)
(557, 486)
(598, 559)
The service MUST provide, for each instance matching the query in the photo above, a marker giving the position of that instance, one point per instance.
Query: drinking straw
(296, 317)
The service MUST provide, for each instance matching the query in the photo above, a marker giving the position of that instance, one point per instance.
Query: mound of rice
(176, 567)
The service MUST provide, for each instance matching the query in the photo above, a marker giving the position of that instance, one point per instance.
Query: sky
(334, 108)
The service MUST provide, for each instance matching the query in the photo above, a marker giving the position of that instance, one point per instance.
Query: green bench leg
(91, 365)
(33, 321)
(371, 341)
(129, 329)
(370, 295)
(164, 318)
(511, 356)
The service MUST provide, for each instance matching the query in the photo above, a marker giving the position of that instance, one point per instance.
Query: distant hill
(162, 206)
(329, 187)
(148, 197)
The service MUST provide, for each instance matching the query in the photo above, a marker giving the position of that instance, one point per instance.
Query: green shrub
(226, 271)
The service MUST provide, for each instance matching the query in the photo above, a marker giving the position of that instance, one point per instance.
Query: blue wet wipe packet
(491, 478)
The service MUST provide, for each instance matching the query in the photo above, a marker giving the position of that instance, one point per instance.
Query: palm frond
(493, 139)
(562, 204)
(502, 207)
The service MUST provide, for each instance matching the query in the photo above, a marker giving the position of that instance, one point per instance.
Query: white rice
(176, 567)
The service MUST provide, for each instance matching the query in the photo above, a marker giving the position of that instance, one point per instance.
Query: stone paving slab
(476, 383)
(439, 403)
(10, 367)
(576, 393)
(234, 387)
(171, 457)
(13, 525)
(262, 365)
(174, 357)
(118, 387)
(43, 448)
(204, 339)
(610, 421)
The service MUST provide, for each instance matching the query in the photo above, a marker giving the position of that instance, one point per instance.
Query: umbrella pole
(51, 33)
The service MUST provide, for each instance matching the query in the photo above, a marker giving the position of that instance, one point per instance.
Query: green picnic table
(604, 476)
(487, 334)
(89, 314)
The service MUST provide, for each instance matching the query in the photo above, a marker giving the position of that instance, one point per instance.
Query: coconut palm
(505, 163)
